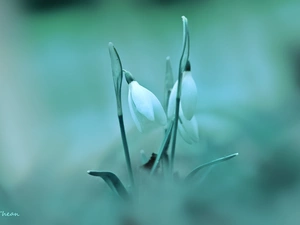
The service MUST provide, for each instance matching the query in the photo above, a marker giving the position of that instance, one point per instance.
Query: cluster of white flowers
(146, 110)
(178, 114)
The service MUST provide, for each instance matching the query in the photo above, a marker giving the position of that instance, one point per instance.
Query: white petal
(190, 126)
(159, 113)
(145, 108)
(133, 112)
(184, 134)
(142, 99)
(188, 96)
(172, 101)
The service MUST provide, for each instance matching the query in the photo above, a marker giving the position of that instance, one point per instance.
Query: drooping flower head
(145, 108)
(188, 99)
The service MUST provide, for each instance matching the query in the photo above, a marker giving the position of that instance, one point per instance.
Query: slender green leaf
(197, 169)
(112, 181)
(117, 73)
(116, 67)
(169, 82)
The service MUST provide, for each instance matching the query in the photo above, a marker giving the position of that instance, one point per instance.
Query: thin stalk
(168, 83)
(165, 158)
(126, 150)
(175, 131)
(182, 66)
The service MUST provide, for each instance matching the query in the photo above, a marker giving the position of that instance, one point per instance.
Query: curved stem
(182, 66)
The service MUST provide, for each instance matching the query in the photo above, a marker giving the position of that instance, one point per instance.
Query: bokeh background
(58, 111)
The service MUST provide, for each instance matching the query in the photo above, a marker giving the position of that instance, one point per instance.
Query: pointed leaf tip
(92, 173)
(110, 45)
(184, 18)
(230, 156)
(197, 169)
(116, 67)
(112, 181)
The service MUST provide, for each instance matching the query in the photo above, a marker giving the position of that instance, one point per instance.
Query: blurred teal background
(58, 110)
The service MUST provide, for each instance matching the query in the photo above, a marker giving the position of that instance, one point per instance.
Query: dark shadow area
(165, 3)
(41, 6)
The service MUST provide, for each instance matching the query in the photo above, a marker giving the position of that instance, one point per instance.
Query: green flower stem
(126, 150)
(182, 66)
(175, 129)
(165, 158)
(168, 83)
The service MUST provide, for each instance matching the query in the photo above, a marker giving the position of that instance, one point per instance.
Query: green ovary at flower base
(145, 108)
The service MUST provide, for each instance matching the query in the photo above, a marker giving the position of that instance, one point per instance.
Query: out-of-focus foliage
(58, 112)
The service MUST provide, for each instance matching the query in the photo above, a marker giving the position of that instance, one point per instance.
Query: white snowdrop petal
(142, 99)
(159, 113)
(191, 127)
(143, 124)
(172, 101)
(146, 110)
(188, 96)
(184, 134)
(133, 112)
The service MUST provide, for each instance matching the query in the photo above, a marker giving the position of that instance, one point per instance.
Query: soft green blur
(58, 115)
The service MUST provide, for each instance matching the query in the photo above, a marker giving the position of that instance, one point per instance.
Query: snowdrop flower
(188, 129)
(145, 108)
(188, 99)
